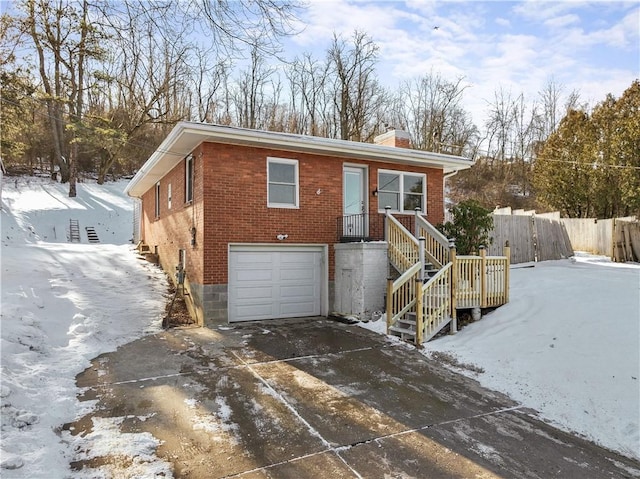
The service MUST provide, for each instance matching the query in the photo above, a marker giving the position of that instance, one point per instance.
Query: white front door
(269, 282)
(354, 222)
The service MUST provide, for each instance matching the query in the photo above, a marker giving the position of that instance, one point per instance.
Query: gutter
(186, 136)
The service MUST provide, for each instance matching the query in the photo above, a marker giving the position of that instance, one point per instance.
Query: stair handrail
(434, 311)
(436, 244)
(401, 294)
(395, 231)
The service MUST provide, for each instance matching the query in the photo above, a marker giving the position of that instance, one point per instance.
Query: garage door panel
(298, 291)
(248, 259)
(297, 257)
(276, 282)
(297, 275)
(259, 293)
(256, 275)
(254, 312)
(298, 309)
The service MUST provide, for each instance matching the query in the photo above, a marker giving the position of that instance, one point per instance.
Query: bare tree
(356, 92)
(499, 125)
(233, 25)
(550, 97)
(430, 108)
(251, 96)
(146, 80)
(207, 78)
(65, 43)
(307, 79)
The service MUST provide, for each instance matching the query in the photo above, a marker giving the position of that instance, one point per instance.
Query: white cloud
(503, 22)
(562, 21)
(592, 48)
(535, 10)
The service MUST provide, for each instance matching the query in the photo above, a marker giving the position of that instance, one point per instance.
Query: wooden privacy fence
(626, 240)
(532, 237)
(540, 237)
(590, 234)
(617, 238)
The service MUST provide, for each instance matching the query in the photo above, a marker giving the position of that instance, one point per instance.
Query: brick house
(273, 225)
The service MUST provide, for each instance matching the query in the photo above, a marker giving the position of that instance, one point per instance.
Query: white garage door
(269, 282)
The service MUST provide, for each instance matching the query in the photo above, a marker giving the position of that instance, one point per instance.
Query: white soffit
(186, 136)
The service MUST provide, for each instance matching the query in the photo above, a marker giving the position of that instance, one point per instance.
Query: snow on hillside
(63, 304)
(567, 345)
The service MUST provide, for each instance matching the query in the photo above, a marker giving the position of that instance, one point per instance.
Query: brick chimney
(397, 138)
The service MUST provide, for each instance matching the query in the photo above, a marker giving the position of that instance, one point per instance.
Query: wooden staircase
(433, 280)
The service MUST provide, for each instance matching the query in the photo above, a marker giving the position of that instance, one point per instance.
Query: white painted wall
(361, 278)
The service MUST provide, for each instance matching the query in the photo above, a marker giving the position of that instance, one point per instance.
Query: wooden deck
(418, 307)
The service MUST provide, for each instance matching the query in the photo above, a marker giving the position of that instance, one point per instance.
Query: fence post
(421, 242)
(614, 248)
(453, 278)
(419, 312)
(389, 305)
(416, 228)
(483, 277)
(507, 253)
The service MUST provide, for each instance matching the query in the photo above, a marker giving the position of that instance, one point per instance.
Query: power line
(594, 165)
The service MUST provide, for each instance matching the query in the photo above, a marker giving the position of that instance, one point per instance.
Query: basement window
(157, 209)
(188, 179)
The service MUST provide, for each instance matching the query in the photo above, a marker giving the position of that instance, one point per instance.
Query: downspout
(444, 190)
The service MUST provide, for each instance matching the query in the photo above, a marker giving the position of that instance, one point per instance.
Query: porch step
(429, 271)
(92, 236)
(403, 333)
(143, 248)
(74, 231)
(405, 328)
(407, 323)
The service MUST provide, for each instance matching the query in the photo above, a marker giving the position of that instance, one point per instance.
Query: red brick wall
(172, 230)
(236, 198)
(232, 182)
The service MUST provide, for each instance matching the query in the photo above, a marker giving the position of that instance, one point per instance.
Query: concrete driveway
(315, 398)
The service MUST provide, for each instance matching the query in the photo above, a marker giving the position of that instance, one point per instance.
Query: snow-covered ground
(62, 305)
(567, 345)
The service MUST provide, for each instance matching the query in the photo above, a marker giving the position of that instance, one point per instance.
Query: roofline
(186, 136)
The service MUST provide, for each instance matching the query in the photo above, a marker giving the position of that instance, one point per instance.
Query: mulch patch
(178, 314)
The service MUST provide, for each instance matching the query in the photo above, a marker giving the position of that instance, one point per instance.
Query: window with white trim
(169, 196)
(402, 191)
(188, 179)
(282, 183)
(157, 210)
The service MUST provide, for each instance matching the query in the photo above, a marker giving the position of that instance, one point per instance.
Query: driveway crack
(294, 411)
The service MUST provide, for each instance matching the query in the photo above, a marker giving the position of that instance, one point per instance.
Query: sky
(590, 47)
(552, 348)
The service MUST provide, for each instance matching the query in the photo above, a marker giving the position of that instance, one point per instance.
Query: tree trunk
(73, 169)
